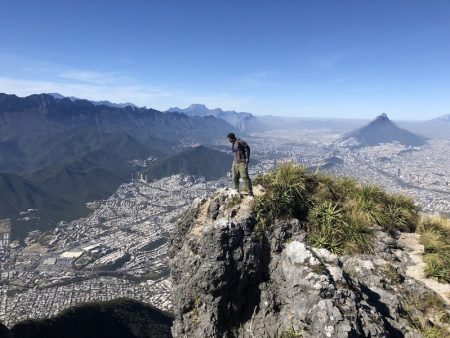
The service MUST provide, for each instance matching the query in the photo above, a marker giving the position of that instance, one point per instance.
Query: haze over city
(350, 59)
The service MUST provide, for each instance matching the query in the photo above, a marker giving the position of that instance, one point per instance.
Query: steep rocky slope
(233, 280)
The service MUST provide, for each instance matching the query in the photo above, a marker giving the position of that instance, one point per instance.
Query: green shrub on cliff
(340, 213)
(288, 192)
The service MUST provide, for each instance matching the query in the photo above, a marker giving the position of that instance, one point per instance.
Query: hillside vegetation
(435, 231)
(340, 214)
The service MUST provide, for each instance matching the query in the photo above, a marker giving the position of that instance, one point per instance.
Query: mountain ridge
(97, 103)
(242, 121)
(41, 113)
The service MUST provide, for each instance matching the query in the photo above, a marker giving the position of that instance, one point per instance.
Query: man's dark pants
(240, 170)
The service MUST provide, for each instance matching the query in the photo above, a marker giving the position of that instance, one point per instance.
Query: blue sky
(305, 58)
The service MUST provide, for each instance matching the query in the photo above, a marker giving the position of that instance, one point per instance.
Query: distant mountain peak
(382, 116)
(57, 95)
(236, 119)
(445, 117)
(378, 131)
(197, 105)
(381, 120)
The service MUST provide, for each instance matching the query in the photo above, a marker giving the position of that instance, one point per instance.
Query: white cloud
(34, 77)
(142, 95)
(89, 76)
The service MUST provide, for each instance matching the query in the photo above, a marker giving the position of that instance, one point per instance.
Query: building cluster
(5, 233)
(422, 173)
(119, 250)
(44, 302)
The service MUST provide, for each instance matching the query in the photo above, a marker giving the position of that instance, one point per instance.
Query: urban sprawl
(119, 250)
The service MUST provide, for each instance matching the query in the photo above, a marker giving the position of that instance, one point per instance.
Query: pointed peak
(382, 117)
(56, 95)
(197, 105)
(445, 117)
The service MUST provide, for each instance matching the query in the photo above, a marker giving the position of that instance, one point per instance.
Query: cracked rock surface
(229, 281)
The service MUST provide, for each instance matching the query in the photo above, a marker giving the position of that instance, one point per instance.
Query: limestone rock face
(232, 280)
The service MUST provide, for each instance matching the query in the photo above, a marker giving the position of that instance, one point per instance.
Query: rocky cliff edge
(231, 280)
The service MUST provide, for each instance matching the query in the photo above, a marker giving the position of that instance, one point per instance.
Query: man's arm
(247, 150)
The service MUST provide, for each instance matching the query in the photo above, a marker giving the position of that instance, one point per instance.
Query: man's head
(231, 137)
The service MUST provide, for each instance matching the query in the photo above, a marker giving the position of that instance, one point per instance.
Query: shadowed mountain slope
(199, 161)
(18, 194)
(12, 159)
(120, 318)
(84, 179)
(81, 142)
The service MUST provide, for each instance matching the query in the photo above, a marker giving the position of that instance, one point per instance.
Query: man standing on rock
(241, 152)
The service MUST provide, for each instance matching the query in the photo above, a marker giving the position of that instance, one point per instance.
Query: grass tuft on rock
(434, 308)
(340, 213)
(435, 237)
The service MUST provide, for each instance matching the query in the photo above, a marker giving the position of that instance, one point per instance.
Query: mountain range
(437, 128)
(41, 115)
(241, 121)
(380, 130)
(77, 151)
(97, 103)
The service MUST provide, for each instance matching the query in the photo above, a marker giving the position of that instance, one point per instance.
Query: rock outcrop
(231, 279)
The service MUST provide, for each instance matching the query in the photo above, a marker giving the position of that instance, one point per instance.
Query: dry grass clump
(435, 322)
(391, 274)
(435, 237)
(233, 202)
(339, 212)
(291, 333)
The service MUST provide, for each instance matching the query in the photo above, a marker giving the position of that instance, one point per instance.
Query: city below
(119, 250)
